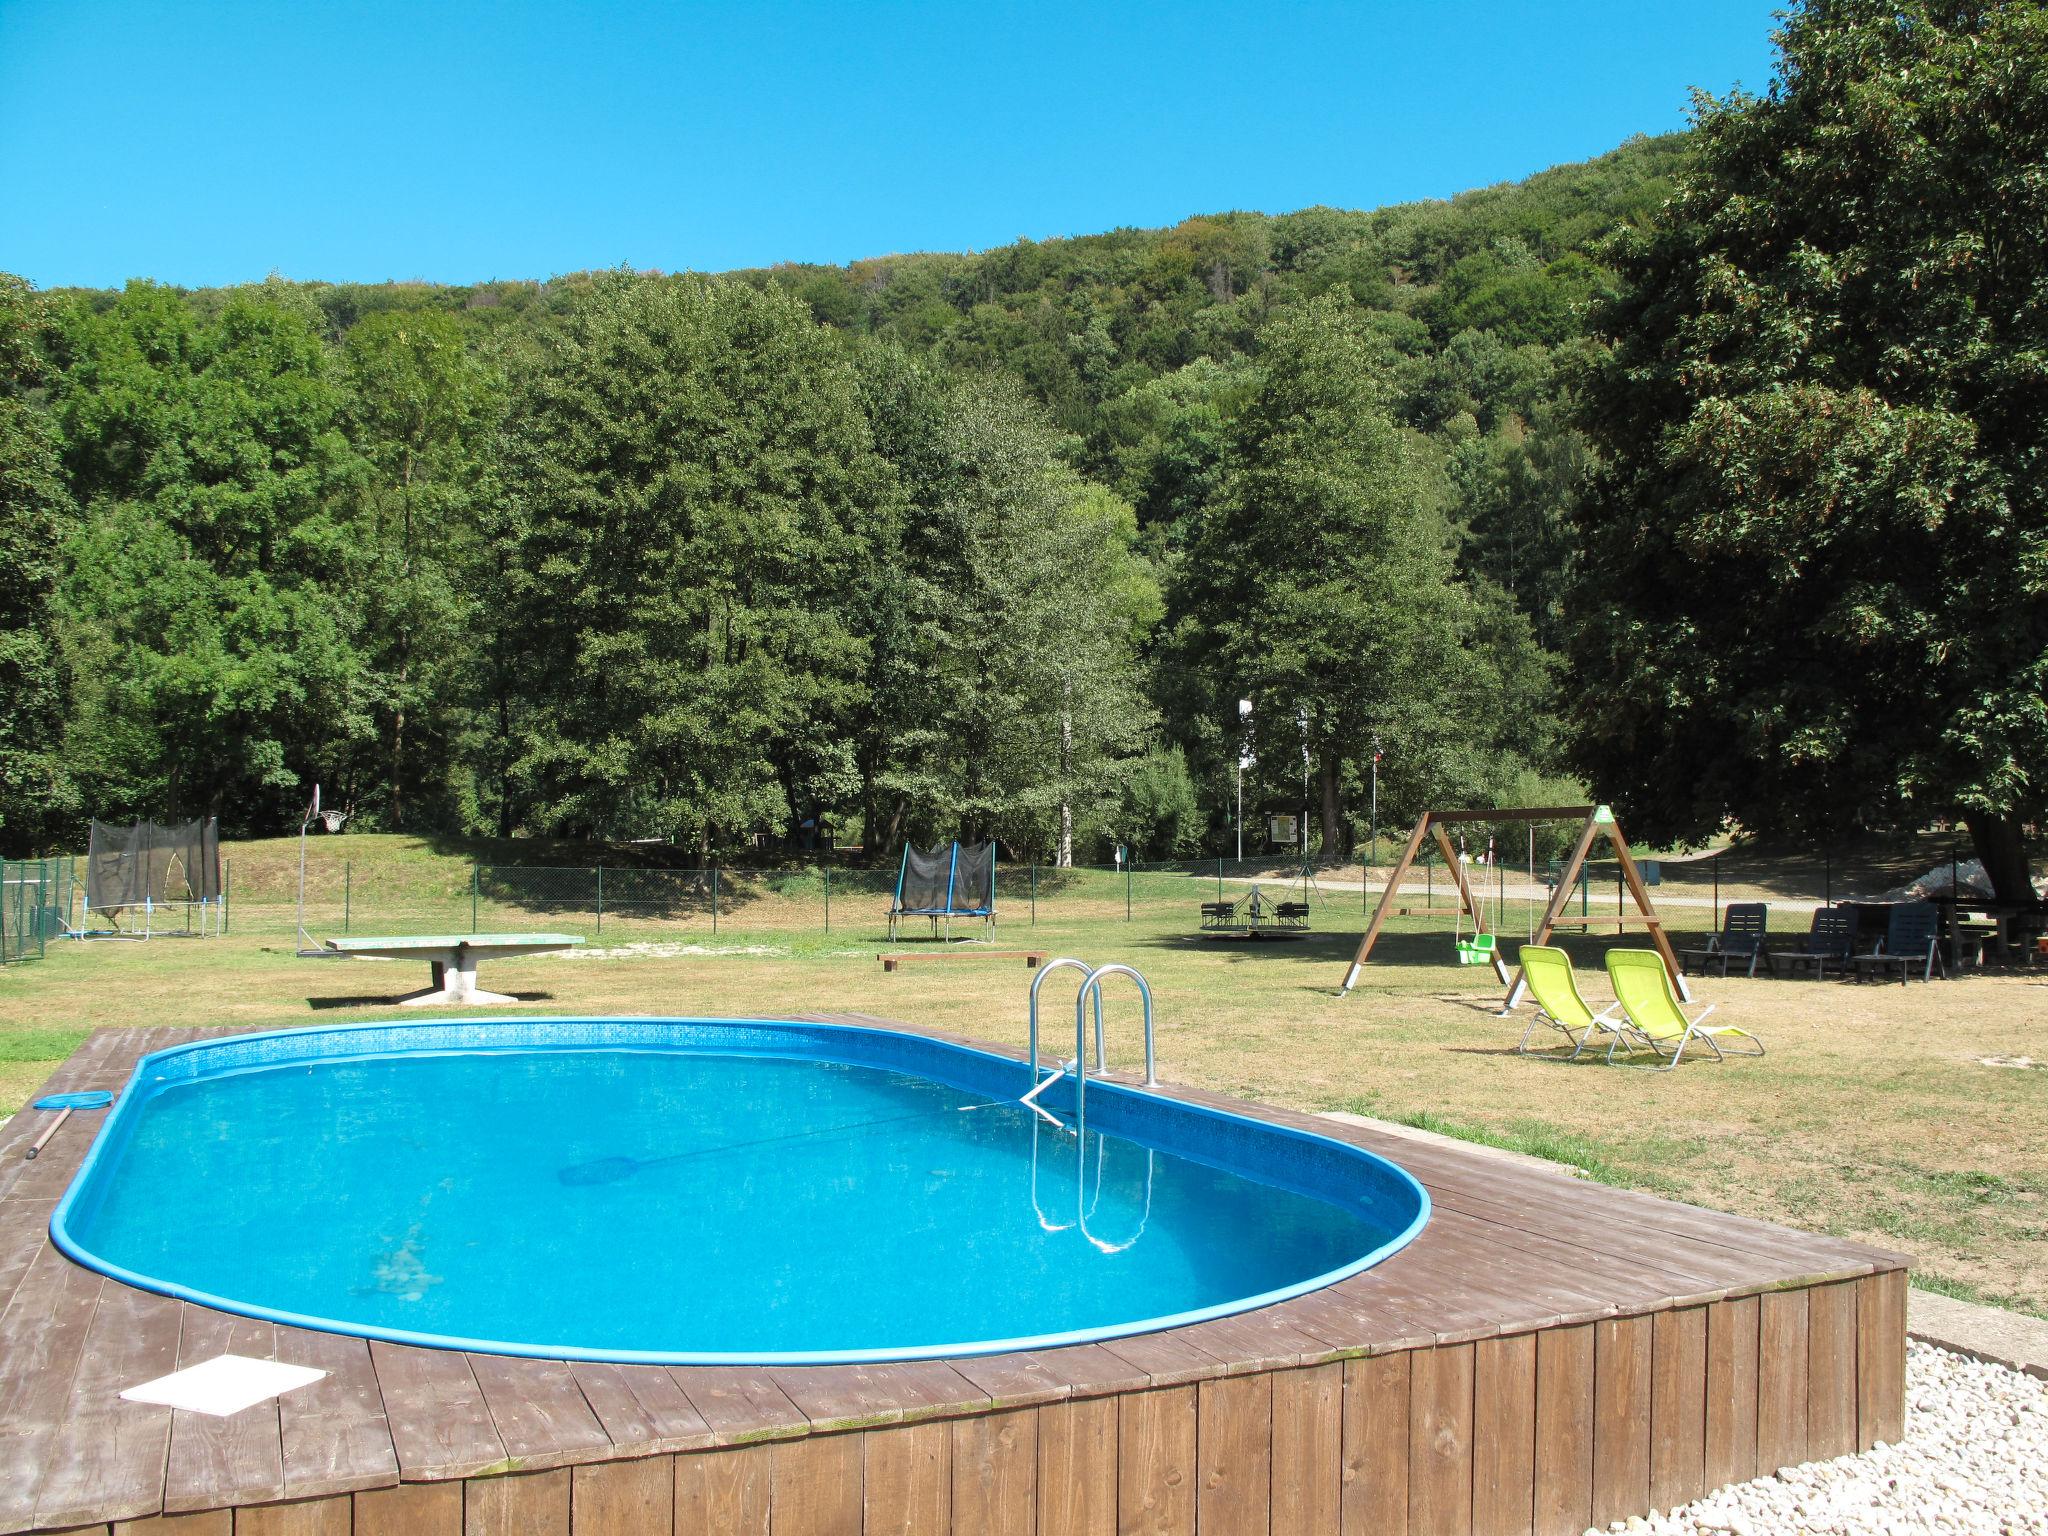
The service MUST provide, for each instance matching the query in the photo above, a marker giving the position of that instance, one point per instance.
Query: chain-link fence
(35, 903)
(1512, 874)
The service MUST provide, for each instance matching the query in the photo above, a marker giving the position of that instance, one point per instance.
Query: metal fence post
(600, 898)
(714, 895)
(348, 880)
(1129, 864)
(1034, 892)
(828, 896)
(227, 885)
(475, 872)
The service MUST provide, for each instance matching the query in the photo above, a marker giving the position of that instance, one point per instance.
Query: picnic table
(453, 959)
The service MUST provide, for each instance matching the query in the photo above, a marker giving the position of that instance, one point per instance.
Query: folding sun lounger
(1548, 972)
(1655, 1020)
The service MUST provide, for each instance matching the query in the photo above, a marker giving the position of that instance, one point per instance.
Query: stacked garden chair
(1912, 941)
(1741, 939)
(1830, 942)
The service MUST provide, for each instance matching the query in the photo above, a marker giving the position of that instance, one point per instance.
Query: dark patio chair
(1911, 940)
(1831, 941)
(1740, 940)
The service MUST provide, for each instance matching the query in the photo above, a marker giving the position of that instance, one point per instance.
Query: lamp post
(1375, 844)
(1244, 713)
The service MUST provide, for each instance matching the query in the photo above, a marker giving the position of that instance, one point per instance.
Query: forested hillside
(929, 544)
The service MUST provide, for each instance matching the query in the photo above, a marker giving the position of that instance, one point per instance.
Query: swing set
(1483, 946)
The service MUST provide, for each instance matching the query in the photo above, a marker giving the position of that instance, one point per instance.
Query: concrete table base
(454, 961)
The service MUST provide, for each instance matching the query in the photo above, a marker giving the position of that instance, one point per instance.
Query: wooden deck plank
(1564, 1431)
(1156, 1435)
(1077, 1462)
(334, 1433)
(440, 1424)
(1234, 1451)
(1051, 1375)
(642, 1409)
(518, 1504)
(1169, 1358)
(995, 1473)
(1621, 1417)
(1504, 1436)
(1731, 1391)
(740, 1404)
(42, 1339)
(1881, 1359)
(24, 1233)
(414, 1509)
(622, 1498)
(1678, 1407)
(818, 1485)
(1440, 1441)
(854, 1396)
(1782, 1384)
(907, 1480)
(539, 1412)
(302, 1517)
(107, 1461)
(235, 1460)
(724, 1493)
(1831, 1370)
(1308, 1450)
(1375, 1469)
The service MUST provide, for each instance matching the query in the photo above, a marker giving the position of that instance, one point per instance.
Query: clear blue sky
(214, 141)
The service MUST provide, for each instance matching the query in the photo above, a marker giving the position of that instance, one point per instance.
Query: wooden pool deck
(1548, 1355)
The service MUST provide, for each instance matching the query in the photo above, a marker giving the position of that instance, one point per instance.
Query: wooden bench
(1032, 958)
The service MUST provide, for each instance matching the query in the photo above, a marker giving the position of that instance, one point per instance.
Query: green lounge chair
(1548, 972)
(1649, 1004)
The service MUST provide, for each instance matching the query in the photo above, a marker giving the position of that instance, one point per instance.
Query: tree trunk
(1332, 808)
(1065, 858)
(2001, 844)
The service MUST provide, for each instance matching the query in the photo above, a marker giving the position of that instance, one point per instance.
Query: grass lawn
(1875, 1116)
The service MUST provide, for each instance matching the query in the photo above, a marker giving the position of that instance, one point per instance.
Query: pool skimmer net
(224, 1385)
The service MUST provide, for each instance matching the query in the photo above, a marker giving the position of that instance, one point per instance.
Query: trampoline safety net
(147, 863)
(953, 879)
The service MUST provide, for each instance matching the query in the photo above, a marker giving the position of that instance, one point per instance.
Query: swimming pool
(696, 1191)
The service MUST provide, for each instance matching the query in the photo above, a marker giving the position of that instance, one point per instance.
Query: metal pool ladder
(1091, 986)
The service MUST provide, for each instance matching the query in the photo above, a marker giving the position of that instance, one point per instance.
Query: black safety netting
(974, 878)
(953, 877)
(148, 863)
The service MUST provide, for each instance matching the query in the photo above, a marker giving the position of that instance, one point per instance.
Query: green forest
(1645, 477)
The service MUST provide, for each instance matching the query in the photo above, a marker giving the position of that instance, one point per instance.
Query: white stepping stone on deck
(224, 1385)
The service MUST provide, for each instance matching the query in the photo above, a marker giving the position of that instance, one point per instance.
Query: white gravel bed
(1974, 1462)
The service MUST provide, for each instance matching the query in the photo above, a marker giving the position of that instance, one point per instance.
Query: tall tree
(1004, 618)
(423, 411)
(1815, 586)
(1323, 585)
(35, 512)
(696, 484)
(203, 611)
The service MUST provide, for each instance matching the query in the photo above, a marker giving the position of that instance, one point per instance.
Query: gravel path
(1974, 1462)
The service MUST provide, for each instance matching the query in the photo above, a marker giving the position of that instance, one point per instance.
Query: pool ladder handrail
(1094, 985)
(1038, 1086)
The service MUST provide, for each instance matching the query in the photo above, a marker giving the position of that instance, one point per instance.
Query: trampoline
(954, 880)
(134, 873)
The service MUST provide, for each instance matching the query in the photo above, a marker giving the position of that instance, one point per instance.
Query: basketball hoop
(332, 820)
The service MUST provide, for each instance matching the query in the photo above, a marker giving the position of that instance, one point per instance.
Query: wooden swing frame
(1599, 820)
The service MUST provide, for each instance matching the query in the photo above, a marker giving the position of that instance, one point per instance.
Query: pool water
(684, 1204)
